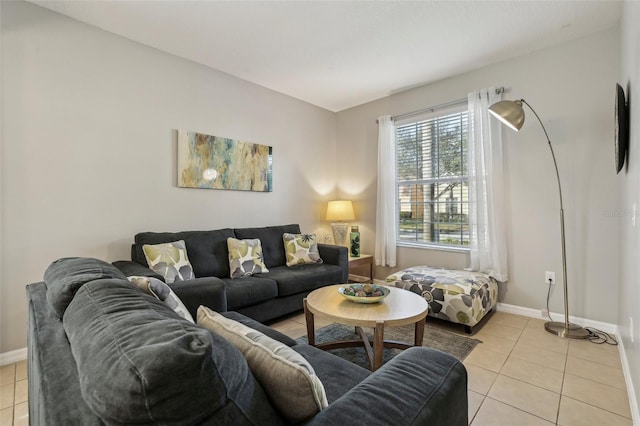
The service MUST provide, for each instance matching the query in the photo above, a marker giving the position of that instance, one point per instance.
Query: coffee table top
(400, 307)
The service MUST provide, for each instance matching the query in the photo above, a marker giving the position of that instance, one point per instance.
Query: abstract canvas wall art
(214, 162)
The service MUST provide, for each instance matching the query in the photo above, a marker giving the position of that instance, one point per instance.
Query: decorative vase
(354, 238)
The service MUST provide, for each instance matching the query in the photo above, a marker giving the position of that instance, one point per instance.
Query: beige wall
(89, 149)
(629, 183)
(571, 86)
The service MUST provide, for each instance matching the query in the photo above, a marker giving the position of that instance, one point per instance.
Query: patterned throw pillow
(245, 257)
(286, 376)
(156, 288)
(169, 260)
(301, 249)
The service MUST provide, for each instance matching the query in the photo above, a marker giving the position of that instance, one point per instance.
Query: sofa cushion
(169, 260)
(245, 257)
(271, 239)
(247, 291)
(65, 276)
(140, 363)
(337, 374)
(207, 249)
(301, 249)
(208, 291)
(304, 277)
(287, 377)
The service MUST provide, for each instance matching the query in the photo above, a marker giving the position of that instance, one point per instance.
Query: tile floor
(522, 375)
(519, 375)
(14, 408)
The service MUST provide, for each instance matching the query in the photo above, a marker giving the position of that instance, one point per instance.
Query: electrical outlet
(548, 275)
(631, 328)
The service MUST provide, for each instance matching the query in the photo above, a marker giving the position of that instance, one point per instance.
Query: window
(431, 180)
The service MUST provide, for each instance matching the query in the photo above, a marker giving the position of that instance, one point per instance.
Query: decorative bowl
(353, 288)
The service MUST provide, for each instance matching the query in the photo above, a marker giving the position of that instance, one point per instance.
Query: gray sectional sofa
(101, 351)
(262, 296)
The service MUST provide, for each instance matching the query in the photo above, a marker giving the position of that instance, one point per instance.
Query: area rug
(456, 345)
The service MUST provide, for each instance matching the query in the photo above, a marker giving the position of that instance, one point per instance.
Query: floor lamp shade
(511, 114)
(338, 212)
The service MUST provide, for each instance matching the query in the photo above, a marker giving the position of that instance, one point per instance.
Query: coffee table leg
(311, 330)
(419, 336)
(378, 344)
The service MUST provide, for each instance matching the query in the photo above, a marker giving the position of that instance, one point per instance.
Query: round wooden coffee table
(400, 307)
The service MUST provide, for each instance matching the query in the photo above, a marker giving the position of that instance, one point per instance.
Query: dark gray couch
(262, 296)
(103, 352)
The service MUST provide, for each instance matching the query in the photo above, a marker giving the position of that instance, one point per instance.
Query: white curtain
(488, 242)
(385, 253)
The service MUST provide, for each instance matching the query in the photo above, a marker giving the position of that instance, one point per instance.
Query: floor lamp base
(571, 332)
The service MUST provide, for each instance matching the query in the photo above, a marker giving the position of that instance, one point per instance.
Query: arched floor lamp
(511, 114)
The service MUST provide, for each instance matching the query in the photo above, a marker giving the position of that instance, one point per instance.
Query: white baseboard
(633, 402)
(13, 356)
(535, 313)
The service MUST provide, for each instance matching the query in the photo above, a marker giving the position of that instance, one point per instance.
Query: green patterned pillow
(245, 257)
(169, 260)
(301, 249)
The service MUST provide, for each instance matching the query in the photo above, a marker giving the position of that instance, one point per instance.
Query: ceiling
(339, 54)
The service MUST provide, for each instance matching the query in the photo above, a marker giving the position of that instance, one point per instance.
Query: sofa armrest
(420, 386)
(130, 268)
(335, 255)
(55, 397)
(207, 291)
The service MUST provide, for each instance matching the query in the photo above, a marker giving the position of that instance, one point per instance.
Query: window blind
(431, 179)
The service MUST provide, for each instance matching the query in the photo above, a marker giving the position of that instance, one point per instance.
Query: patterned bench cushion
(458, 296)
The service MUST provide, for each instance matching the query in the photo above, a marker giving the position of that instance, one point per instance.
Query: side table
(362, 264)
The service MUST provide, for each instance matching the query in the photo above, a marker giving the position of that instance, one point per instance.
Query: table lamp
(337, 212)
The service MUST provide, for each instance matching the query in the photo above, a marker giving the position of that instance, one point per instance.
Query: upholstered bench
(463, 297)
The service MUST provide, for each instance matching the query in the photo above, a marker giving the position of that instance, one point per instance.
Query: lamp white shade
(340, 210)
